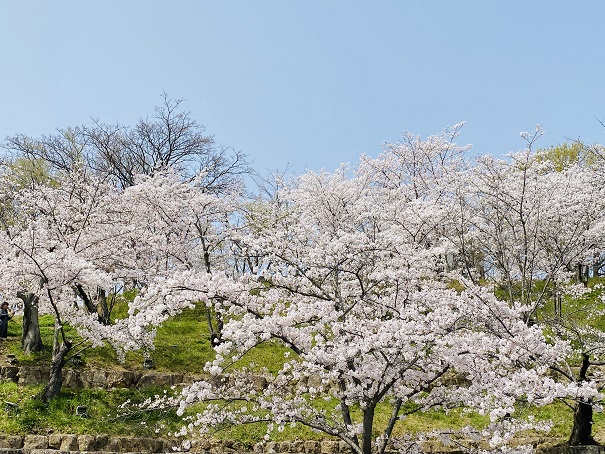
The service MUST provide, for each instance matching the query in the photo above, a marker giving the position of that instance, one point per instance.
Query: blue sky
(311, 83)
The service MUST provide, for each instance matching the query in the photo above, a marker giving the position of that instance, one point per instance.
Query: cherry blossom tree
(15, 176)
(170, 140)
(67, 237)
(534, 220)
(78, 236)
(346, 281)
(531, 223)
(188, 229)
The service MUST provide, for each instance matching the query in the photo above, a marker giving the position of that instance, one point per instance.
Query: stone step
(78, 378)
(106, 444)
(51, 451)
(58, 443)
(56, 451)
(95, 378)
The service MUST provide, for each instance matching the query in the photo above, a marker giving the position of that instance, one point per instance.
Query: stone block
(312, 447)
(35, 442)
(169, 444)
(72, 380)
(188, 379)
(69, 443)
(199, 445)
(297, 446)
(216, 447)
(86, 378)
(33, 375)
(126, 443)
(157, 379)
(99, 378)
(9, 373)
(45, 451)
(114, 444)
(284, 446)
(121, 379)
(156, 444)
(11, 442)
(101, 442)
(329, 447)
(87, 443)
(143, 445)
(259, 448)
(54, 441)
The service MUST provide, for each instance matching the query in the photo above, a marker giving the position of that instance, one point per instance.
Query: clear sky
(311, 83)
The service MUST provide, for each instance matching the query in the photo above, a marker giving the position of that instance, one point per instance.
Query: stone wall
(105, 444)
(56, 443)
(94, 378)
(84, 377)
(62, 443)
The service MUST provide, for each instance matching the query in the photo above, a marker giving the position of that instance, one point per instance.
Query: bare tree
(169, 138)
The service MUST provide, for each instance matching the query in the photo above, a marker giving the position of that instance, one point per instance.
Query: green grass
(182, 345)
(103, 407)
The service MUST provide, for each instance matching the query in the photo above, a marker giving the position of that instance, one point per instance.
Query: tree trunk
(368, 425)
(31, 341)
(102, 307)
(96, 304)
(581, 432)
(55, 382)
(215, 334)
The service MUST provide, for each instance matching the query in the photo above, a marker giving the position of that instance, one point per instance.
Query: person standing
(5, 316)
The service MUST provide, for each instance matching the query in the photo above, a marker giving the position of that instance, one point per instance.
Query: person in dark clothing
(5, 316)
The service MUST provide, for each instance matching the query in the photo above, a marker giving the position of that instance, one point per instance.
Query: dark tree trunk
(86, 299)
(581, 432)
(102, 306)
(55, 382)
(368, 425)
(215, 334)
(95, 304)
(31, 341)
